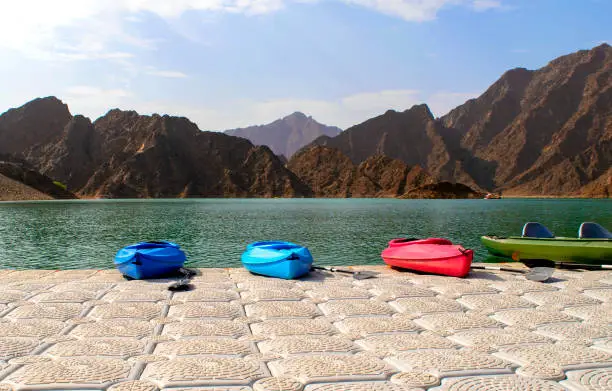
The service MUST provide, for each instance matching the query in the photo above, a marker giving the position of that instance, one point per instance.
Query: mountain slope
(287, 135)
(330, 173)
(123, 154)
(547, 131)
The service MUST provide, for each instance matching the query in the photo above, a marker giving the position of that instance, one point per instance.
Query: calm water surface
(214, 232)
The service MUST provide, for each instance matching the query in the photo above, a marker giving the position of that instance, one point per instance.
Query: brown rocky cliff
(330, 173)
(23, 174)
(547, 131)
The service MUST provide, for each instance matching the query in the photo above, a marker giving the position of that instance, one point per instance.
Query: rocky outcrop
(20, 182)
(330, 173)
(544, 132)
(124, 154)
(445, 190)
(287, 135)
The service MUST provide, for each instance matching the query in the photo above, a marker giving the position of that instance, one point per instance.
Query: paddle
(358, 275)
(563, 265)
(539, 274)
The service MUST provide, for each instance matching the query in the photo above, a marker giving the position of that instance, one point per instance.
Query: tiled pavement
(92, 330)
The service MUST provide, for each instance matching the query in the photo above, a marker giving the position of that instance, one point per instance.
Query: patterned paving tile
(206, 328)
(362, 326)
(70, 371)
(64, 297)
(202, 346)
(36, 328)
(117, 328)
(282, 309)
(200, 371)
(15, 347)
(599, 294)
(494, 339)
(104, 347)
(446, 323)
(311, 344)
(451, 362)
(206, 310)
(393, 292)
(278, 384)
(522, 287)
(134, 385)
(590, 380)
(348, 308)
(576, 331)
(274, 294)
(338, 292)
(207, 295)
(152, 295)
(528, 318)
(596, 313)
(575, 357)
(418, 379)
(459, 289)
(324, 368)
(360, 386)
(394, 343)
(582, 284)
(494, 303)
(59, 311)
(131, 310)
(9, 296)
(418, 306)
(501, 383)
(283, 327)
(565, 299)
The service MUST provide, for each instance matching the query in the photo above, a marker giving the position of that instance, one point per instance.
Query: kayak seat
(593, 231)
(536, 230)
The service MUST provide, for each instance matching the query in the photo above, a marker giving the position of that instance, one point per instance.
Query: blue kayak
(149, 259)
(277, 259)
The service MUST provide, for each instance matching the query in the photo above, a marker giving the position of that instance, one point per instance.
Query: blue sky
(231, 63)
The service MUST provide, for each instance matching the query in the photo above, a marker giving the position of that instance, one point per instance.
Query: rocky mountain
(543, 132)
(331, 174)
(124, 154)
(287, 135)
(18, 181)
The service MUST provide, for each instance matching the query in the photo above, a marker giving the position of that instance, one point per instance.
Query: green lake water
(213, 232)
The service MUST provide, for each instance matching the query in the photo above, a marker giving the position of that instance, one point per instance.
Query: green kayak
(593, 245)
(593, 251)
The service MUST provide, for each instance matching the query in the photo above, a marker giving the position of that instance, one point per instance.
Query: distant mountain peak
(287, 135)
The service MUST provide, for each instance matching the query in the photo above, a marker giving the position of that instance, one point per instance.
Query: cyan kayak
(149, 259)
(277, 259)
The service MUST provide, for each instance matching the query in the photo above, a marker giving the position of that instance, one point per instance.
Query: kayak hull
(277, 259)
(591, 251)
(433, 255)
(149, 260)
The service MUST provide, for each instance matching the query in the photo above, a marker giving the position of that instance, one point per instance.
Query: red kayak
(433, 255)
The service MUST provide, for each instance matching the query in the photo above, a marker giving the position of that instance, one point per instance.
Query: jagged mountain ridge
(287, 135)
(543, 132)
(124, 154)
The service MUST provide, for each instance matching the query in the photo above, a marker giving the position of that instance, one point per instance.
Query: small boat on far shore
(433, 255)
(277, 259)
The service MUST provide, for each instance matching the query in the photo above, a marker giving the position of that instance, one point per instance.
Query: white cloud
(442, 102)
(168, 74)
(343, 112)
(87, 29)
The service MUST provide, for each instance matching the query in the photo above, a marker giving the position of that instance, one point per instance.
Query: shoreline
(92, 329)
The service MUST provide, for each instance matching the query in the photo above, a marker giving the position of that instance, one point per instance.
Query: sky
(234, 63)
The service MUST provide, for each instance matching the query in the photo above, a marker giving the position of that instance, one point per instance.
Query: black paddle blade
(539, 274)
(181, 285)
